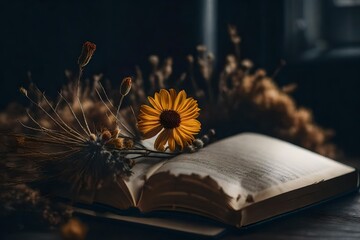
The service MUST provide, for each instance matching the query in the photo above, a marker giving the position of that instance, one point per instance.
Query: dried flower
(56, 142)
(173, 115)
(125, 86)
(245, 98)
(87, 52)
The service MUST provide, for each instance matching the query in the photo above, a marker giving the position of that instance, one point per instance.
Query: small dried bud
(154, 60)
(190, 58)
(92, 137)
(212, 132)
(106, 135)
(128, 143)
(125, 86)
(198, 143)
(205, 139)
(232, 30)
(236, 39)
(211, 56)
(167, 69)
(231, 64)
(23, 91)
(201, 48)
(116, 132)
(118, 143)
(190, 149)
(87, 52)
(247, 64)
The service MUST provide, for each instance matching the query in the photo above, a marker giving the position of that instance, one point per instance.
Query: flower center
(169, 119)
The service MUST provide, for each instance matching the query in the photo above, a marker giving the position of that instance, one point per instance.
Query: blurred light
(209, 25)
(346, 3)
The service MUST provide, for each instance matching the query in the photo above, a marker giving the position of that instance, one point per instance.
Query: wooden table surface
(335, 219)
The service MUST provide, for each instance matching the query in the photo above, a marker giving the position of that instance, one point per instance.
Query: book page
(252, 167)
(141, 169)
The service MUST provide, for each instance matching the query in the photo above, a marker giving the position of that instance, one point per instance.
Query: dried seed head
(247, 63)
(125, 86)
(231, 64)
(236, 39)
(87, 52)
(167, 68)
(154, 60)
(212, 132)
(106, 135)
(128, 143)
(116, 132)
(23, 91)
(92, 137)
(201, 48)
(198, 143)
(118, 143)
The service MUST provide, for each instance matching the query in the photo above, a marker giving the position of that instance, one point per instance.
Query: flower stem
(120, 103)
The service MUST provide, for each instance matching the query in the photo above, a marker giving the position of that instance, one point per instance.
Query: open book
(239, 181)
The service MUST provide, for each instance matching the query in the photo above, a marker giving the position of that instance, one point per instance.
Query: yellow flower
(172, 114)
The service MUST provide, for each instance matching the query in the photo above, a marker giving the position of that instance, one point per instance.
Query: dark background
(320, 40)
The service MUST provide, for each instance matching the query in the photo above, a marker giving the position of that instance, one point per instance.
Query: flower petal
(185, 136)
(148, 123)
(155, 103)
(190, 102)
(145, 127)
(191, 115)
(191, 123)
(165, 99)
(161, 140)
(171, 142)
(173, 95)
(149, 110)
(151, 132)
(146, 117)
(177, 138)
(180, 98)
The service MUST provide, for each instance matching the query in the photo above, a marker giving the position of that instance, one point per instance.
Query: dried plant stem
(84, 117)
(115, 116)
(52, 118)
(77, 85)
(74, 115)
(120, 103)
(58, 116)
